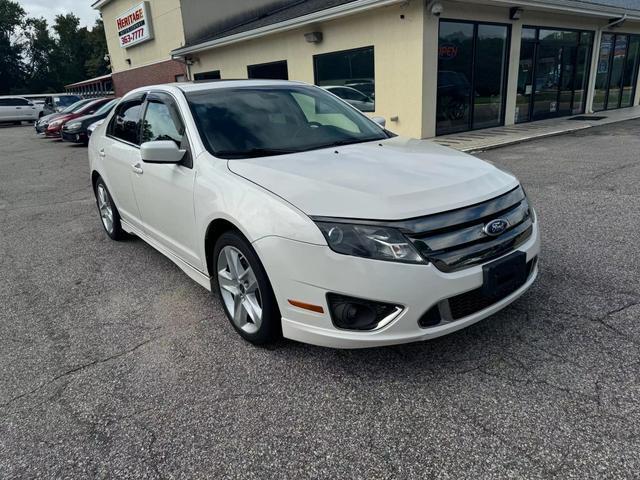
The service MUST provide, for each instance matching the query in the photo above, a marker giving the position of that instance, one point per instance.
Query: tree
(11, 68)
(70, 53)
(96, 65)
(39, 47)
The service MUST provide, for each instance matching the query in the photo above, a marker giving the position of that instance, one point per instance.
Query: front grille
(456, 239)
(468, 303)
(471, 302)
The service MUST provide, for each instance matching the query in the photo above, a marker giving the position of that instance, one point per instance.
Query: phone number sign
(134, 25)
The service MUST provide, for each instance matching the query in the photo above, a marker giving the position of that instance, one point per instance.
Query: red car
(55, 127)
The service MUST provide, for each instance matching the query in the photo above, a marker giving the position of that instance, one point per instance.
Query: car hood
(392, 179)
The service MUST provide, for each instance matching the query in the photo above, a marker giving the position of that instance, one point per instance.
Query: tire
(242, 285)
(109, 216)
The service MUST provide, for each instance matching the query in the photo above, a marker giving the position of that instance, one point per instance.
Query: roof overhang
(90, 80)
(567, 7)
(323, 15)
(99, 4)
(575, 7)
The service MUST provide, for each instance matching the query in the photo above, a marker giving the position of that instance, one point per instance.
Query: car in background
(38, 102)
(353, 97)
(76, 130)
(57, 103)
(91, 128)
(364, 86)
(17, 110)
(42, 124)
(54, 128)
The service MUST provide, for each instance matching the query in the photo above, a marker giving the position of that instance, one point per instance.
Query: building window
(349, 74)
(617, 72)
(472, 72)
(270, 71)
(553, 73)
(211, 75)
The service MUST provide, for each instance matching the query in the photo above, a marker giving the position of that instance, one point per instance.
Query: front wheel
(245, 291)
(108, 212)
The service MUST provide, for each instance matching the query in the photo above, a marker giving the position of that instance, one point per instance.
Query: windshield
(246, 122)
(66, 100)
(106, 108)
(75, 106)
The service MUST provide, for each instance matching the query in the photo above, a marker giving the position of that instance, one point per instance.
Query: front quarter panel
(256, 212)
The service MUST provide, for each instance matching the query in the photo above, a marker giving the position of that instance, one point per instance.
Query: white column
(513, 70)
(595, 55)
(429, 74)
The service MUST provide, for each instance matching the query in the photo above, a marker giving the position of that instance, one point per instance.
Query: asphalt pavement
(114, 364)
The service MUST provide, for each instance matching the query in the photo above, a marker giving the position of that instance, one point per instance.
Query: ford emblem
(496, 227)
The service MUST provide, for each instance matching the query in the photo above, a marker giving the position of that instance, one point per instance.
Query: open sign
(448, 51)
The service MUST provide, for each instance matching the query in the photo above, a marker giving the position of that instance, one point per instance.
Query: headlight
(368, 241)
(73, 126)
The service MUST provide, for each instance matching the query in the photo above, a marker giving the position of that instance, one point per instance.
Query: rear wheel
(108, 212)
(245, 291)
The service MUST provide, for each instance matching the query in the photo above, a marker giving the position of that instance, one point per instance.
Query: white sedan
(17, 110)
(309, 219)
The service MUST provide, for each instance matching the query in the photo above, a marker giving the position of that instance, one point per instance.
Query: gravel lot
(113, 364)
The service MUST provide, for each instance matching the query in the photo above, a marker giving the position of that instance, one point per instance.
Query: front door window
(472, 66)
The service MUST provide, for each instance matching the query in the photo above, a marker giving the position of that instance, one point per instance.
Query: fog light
(357, 314)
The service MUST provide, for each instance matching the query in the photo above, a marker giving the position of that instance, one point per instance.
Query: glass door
(472, 69)
(552, 80)
(617, 71)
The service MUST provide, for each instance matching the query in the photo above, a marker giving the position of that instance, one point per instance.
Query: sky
(50, 8)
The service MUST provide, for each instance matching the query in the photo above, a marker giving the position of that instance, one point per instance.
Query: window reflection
(472, 60)
(553, 73)
(350, 75)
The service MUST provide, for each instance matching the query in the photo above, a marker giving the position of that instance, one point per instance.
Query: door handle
(137, 168)
(101, 153)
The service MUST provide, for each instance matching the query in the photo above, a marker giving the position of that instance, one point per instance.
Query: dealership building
(428, 67)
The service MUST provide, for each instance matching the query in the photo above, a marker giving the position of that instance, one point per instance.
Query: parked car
(42, 124)
(38, 102)
(353, 97)
(337, 236)
(92, 127)
(76, 130)
(57, 103)
(17, 110)
(54, 129)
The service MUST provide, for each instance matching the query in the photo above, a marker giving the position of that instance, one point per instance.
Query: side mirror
(161, 151)
(380, 121)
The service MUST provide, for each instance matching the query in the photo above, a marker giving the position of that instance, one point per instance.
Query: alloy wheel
(106, 210)
(239, 289)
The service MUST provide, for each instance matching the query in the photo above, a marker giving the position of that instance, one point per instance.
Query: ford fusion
(309, 219)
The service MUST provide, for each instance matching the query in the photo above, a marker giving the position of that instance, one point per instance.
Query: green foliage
(33, 60)
(11, 14)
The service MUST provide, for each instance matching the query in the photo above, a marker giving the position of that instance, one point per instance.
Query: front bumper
(52, 133)
(305, 272)
(75, 137)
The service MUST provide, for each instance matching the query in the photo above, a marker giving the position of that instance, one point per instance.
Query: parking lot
(115, 364)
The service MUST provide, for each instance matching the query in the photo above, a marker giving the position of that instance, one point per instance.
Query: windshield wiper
(349, 141)
(253, 152)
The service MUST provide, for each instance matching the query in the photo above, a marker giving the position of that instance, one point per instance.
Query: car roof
(211, 85)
